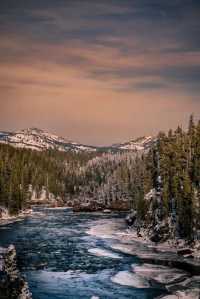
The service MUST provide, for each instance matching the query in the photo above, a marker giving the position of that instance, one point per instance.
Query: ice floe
(104, 253)
(105, 228)
(125, 248)
(127, 278)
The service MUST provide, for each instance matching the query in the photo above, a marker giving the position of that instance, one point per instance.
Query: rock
(169, 259)
(186, 294)
(159, 233)
(185, 251)
(12, 284)
(131, 218)
(160, 274)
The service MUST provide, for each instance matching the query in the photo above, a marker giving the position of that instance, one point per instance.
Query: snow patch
(160, 274)
(36, 139)
(104, 253)
(127, 278)
(125, 248)
(105, 229)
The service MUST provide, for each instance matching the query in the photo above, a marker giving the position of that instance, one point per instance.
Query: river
(70, 255)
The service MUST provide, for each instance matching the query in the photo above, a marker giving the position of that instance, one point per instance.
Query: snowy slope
(38, 139)
(139, 144)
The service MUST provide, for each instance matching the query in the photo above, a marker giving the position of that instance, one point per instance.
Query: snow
(4, 214)
(37, 139)
(125, 248)
(42, 197)
(6, 218)
(104, 253)
(136, 145)
(85, 148)
(160, 274)
(186, 294)
(105, 228)
(127, 278)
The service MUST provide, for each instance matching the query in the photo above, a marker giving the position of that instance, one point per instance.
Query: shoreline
(156, 262)
(12, 282)
(15, 218)
(167, 251)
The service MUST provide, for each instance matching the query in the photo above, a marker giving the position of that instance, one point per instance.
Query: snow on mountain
(139, 144)
(38, 139)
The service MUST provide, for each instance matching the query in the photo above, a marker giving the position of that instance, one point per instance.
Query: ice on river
(127, 278)
(106, 228)
(104, 253)
(160, 274)
(124, 248)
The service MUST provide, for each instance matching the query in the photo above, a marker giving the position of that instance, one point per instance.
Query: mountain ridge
(38, 139)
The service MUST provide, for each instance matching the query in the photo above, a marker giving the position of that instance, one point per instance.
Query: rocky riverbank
(12, 284)
(6, 218)
(160, 264)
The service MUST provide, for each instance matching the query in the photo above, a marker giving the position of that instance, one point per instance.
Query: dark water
(53, 255)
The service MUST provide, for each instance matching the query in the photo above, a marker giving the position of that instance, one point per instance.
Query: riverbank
(161, 264)
(7, 218)
(98, 247)
(179, 246)
(12, 284)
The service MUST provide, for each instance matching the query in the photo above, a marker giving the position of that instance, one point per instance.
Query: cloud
(95, 70)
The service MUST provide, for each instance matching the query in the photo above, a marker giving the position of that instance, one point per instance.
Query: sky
(99, 71)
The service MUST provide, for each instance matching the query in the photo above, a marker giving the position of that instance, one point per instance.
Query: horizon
(99, 72)
(71, 139)
(133, 138)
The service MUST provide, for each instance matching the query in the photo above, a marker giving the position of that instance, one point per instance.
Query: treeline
(21, 169)
(116, 181)
(175, 161)
(162, 184)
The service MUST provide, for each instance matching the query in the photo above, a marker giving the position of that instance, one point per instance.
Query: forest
(162, 183)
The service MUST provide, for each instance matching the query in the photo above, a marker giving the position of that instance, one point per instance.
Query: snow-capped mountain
(139, 144)
(38, 139)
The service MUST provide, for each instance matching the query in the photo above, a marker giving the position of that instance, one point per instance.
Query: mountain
(38, 139)
(139, 144)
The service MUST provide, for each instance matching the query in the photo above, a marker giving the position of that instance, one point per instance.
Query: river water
(63, 257)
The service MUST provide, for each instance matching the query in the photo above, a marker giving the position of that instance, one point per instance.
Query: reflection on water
(60, 260)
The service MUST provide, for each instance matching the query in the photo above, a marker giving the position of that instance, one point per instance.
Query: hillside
(37, 139)
(161, 184)
(139, 144)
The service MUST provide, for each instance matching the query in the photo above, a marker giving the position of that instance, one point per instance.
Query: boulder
(12, 284)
